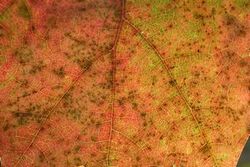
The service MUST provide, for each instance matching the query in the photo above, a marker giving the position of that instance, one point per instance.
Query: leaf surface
(124, 83)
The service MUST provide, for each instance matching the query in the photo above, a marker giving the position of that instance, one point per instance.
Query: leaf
(123, 83)
(24, 11)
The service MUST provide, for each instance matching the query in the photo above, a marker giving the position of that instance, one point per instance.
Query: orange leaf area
(124, 83)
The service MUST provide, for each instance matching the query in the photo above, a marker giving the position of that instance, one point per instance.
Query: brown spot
(234, 25)
(173, 82)
(59, 72)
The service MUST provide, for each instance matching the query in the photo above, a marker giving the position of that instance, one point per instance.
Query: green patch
(23, 11)
(184, 112)
(153, 63)
(244, 4)
(160, 14)
(4, 83)
(153, 60)
(158, 8)
(215, 3)
(194, 32)
(222, 156)
(195, 130)
(2, 60)
(181, 69)
(155, 2)
(5, 15)
(214, 26)
(160, 125)
(163, 145)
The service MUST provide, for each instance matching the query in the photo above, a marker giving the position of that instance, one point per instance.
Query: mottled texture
(124, 83)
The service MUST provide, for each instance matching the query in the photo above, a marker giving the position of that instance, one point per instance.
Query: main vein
(113, 57)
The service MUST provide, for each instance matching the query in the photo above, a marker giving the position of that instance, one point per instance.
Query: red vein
(117, 37)
(153, 47)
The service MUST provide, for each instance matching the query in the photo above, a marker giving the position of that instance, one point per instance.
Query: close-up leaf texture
(124, 83)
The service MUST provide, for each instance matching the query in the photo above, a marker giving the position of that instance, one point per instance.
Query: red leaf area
(123, 83)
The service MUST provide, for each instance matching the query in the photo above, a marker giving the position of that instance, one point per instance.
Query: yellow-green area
(195, 130)
(2, 60)
(23, 10)
(155, 2)
(215, 3)
(193, 31)
(153, 60)
(160, 13)
(160, 122)
(9, 78)
(113, 156)
(163, 145)
(243, 4)
(181, 68)
(222, 156)
(184, 112)
(130, 130)
(149, 65)
(202, 86)
(160, 16)
(5, 14)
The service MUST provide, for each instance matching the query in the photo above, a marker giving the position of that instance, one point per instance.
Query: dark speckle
(59, 72)
(85, 64)
(173, 82)
(37, 67)
(6, 127)
(205, 148)
(143, 114)
(24, 55)
(243, 63)
(234, 24)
